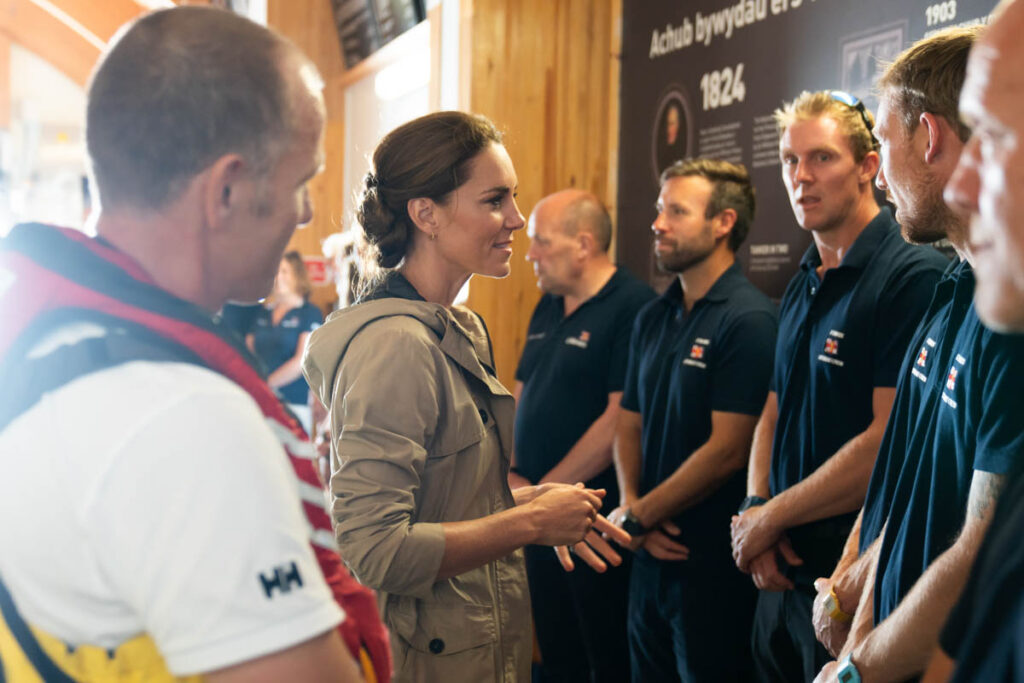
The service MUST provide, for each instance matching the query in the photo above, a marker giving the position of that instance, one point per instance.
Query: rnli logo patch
(922, 358)
(951, 380)
(582, 340)
(831, 350)
(697, 351)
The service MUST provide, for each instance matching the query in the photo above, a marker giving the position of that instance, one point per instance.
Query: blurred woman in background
(279, 333)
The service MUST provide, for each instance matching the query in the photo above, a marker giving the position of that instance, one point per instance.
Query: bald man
(984, 636)
(568, 386)
(151, 469)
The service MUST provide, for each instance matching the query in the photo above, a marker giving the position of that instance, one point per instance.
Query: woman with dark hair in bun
(423, 428)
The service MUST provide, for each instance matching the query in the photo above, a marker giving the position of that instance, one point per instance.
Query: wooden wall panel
(310, 25)
(545, 71)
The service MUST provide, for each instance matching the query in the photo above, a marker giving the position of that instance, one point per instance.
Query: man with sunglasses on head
(846, 320)
(955, 424)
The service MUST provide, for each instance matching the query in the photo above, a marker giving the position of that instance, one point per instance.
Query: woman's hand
(562, 514)
(594, 547)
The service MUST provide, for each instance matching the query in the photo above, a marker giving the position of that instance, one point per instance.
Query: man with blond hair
(955, 423)
(845, 322)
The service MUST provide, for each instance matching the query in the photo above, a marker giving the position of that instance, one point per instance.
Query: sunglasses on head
(853, 102)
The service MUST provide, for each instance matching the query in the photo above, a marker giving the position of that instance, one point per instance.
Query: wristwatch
(834, 610)
(632, 526)
(848, 671)
(750, 502)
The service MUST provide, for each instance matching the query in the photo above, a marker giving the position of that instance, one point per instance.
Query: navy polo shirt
(840, 337)
(985, 631)
(961, 409)
(568, 367)
(681, 368)
(275, 344)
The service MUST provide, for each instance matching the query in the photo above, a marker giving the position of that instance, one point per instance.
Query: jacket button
(436, 646)
(483, 415)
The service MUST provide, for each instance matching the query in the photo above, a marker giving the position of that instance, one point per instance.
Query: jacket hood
(328, 343)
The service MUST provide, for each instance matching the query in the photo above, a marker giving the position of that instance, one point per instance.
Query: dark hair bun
(387, 233)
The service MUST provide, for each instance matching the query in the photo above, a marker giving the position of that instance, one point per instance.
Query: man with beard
(984, 635)
(699, 363)
(844, 325)
(955, 424)
(568, 388)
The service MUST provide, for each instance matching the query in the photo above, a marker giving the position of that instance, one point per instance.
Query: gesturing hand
(563, 514)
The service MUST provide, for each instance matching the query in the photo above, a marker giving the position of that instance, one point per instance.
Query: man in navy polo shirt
(699, 365)
(568, 387)
(984, 636)
(955, 425)
(844, 325)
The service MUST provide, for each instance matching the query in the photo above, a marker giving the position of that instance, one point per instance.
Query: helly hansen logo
(951, 380)
(282, 579)
(922, 358)
(831, 346)
(697, 351)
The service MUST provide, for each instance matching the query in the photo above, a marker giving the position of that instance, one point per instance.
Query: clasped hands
(659, 542)
(756, 543)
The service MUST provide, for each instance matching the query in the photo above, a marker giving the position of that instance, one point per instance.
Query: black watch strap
(632, 526)
(750, 502)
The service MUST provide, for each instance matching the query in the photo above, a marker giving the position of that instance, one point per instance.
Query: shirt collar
(719, 291)
(864, 247)
(395, 285)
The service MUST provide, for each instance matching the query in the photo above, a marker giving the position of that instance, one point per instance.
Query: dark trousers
(785, 647)
(690, 626)
(580, 617)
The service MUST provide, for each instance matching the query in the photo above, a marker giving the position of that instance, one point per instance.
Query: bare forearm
(696, 479)
(474, 543)
(761, 451)
(703, 472)
(901, 646)
(837, 487)
(627, 455)
(590, 456)
(287, 373)
(849, 584)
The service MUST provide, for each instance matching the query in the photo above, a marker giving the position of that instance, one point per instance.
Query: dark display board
(366, 25)
(702, 78)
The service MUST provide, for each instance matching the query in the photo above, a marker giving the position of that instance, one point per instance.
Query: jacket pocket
(442, 629)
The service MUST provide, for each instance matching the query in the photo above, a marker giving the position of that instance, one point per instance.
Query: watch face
(830, 604)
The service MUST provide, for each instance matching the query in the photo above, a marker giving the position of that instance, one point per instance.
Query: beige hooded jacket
(422, 435)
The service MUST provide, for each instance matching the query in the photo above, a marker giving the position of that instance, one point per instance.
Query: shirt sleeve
(385, 410)
(199, 528)
(743, 364)
(630, 389)
(312, 318)
(900, 311)
(999, 437)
